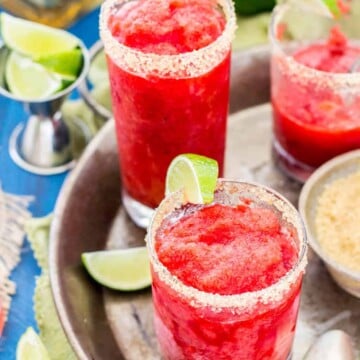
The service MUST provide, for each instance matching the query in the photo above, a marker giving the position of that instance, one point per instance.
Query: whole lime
(250, 7)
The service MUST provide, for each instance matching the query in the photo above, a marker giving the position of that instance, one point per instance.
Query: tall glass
(194, 324)
(315, 88)
(165, 105)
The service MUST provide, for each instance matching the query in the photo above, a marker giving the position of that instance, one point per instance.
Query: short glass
(165, 105)
(316, 114)
(193, 324)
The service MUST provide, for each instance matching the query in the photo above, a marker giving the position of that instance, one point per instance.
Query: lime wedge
(30, 347)
(33, 39)
(328, 8)
(195, 174)
(123, 269)
(337, 7)
(67, 64)
(28, 80)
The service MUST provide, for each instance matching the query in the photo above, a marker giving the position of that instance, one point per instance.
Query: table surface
(44, 189)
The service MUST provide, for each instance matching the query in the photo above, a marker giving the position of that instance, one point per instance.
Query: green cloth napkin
(50, 330)
(251, 31)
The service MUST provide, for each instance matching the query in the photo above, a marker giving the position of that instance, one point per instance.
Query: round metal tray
(103, 324)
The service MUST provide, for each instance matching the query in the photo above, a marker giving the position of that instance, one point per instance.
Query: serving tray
(104, 324)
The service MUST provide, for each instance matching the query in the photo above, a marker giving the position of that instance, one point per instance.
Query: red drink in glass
(169, 65)
(315, 99)
(227, 276)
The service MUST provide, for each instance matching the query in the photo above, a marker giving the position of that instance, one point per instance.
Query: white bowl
(334, 169)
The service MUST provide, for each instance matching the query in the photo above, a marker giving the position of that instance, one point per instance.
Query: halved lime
(123, 269)
(34, 39)
(67, 64)
(30, 347)
(196, 174)
(29, 80)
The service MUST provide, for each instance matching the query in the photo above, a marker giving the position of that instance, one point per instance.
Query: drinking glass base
(139, 213)
(291, 167)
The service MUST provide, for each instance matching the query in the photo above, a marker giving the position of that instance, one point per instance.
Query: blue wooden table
(45, 190)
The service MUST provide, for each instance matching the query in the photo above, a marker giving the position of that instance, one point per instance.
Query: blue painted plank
(45, 190)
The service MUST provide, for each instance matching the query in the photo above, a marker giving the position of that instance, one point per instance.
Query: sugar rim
(302, 71)
(190, 64)
(239, 302)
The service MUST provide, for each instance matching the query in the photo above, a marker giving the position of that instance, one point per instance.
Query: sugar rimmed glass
(165, 105)
(304, 97)
(255, 324)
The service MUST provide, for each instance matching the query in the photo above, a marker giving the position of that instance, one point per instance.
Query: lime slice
(123, 269)
(328, 8)
(30, 347)
(195, 174)
(28, 80)
(337, 7)
(33, 39)
(67, 64)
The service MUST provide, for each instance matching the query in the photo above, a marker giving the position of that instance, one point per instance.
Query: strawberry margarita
(227, 276)
(316, 102)
(169, 63)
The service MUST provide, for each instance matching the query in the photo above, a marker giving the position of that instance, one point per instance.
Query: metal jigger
(42, 145)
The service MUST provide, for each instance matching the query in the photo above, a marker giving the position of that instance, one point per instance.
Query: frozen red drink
(169, 64)
(315, 91)
(227, 276)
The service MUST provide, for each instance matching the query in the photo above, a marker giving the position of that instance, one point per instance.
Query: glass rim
(348, 79)
(244, 301)
(190, 64)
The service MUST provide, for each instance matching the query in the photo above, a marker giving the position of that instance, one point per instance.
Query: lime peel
(67, 64)
(120, 269)
(195, 174)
